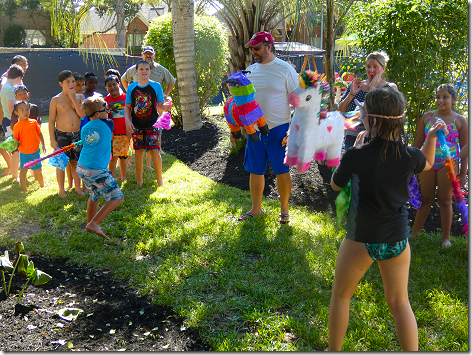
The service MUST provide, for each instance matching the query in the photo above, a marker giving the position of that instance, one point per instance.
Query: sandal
(245, 215)
(284, 218)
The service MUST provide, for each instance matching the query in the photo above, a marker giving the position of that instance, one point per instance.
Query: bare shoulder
(393, 86)
(461, 121)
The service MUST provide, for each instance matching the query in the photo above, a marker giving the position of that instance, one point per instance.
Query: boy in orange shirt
(28, 134)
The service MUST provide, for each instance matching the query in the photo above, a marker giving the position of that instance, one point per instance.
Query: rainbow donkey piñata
(242, 110)
(314, 132)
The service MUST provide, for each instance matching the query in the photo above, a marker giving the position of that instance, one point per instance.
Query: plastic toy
(56, 152)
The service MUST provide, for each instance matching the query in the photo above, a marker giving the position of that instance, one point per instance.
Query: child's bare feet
(6, 172)
(68, 188)
(140, 183)
(92, 227)
(79, 192)
(160, 182)
(150, 167)
(62, 193)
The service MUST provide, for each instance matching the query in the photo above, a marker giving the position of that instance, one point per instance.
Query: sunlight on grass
(257, 285)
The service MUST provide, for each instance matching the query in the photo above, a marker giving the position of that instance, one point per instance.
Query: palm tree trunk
(184, 54)
(120, 24)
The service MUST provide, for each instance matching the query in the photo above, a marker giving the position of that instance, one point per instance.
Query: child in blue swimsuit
(377, 223)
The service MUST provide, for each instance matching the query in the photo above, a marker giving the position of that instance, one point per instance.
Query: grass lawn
(255, 285)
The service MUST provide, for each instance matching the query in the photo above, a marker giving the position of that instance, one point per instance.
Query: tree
(426, 41)
(184, 53)
(211, 50)
(14, 36)
(246, 17)
(66, 19)
(335, 15)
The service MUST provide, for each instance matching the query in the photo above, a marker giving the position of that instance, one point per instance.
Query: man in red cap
(273, 79)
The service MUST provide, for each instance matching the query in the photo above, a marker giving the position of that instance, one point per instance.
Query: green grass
(255, 285)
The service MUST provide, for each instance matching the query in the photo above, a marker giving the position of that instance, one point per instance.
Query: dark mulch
(311, 189)
(114, 317)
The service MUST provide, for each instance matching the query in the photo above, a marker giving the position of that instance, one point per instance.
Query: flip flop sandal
(284, 218)
(245, 215)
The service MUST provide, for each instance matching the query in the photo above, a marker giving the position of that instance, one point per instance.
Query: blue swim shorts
(384, 251)
(267, 148)
(99, 182)
(26, 158)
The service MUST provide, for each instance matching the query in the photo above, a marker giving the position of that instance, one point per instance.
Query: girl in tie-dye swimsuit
(457, 126)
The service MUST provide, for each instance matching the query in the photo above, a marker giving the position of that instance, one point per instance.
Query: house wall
(98, 41)
(22, 17)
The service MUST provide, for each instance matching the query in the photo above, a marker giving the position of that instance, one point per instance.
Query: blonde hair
(379, 56)
(92, 105)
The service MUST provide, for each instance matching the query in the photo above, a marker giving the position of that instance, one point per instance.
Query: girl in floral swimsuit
(446, 96)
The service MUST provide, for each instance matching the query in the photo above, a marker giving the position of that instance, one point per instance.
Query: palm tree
(184, 53)
(246, 17)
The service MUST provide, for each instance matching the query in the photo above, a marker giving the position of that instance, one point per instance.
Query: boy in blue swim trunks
(27, 132)
(92, 166)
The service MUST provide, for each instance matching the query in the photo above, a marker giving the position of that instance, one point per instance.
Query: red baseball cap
(259, 37)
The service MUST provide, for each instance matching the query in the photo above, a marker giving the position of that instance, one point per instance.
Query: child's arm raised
(75, 103)
(419, 137)
(429, 146)
(52, 122)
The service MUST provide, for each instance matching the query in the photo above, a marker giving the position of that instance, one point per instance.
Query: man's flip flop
(245, 215)
(284, 218)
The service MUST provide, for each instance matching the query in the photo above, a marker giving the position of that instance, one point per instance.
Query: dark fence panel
(44, 67)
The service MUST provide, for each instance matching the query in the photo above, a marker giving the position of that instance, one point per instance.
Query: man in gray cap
(158, 72)
(273, 79)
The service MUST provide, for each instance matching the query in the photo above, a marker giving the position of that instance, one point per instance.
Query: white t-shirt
(273, 81)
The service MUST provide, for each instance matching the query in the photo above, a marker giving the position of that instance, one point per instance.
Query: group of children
(104, 125)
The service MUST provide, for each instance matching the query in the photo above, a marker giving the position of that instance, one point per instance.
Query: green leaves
(5, 264)
(24, 267)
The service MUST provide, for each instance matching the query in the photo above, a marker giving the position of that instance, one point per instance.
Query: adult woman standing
(375, 67)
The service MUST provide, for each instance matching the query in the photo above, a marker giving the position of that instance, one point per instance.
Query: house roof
(95, 23)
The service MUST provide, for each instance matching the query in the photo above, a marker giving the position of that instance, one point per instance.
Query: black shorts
(67, 138)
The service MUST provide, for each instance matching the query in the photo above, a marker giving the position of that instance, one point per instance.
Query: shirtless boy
(64, 126)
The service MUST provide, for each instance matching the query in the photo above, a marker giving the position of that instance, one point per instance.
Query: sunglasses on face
(256, 48)
(107, 109)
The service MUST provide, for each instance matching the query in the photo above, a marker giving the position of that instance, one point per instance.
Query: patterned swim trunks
(384, 251)
(147, 139)
(99, 182)
(66, 138)
(120, 147)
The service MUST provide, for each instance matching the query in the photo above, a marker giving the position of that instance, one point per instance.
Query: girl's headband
(387, 117)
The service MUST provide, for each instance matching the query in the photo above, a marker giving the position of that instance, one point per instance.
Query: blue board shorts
(384, 251)
(99, 182)
(267, 148)
(26, 158)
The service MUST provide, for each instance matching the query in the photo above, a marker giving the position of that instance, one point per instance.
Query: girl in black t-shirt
(377, 222)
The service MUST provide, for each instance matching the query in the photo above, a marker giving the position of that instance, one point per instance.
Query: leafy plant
(426, 43)
(14, 36)
(211, 53)
(24, 267)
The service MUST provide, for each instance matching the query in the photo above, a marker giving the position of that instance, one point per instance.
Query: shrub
(14, 36)
(211, 51)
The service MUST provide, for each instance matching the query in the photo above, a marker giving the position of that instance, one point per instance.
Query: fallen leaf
(69, 314)
(31, 327)
(165, 346)
(141, 312)
(70, 345)
(112, 331)
(60, 342)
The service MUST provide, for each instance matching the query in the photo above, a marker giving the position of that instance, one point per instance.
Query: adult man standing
(158, 72)
(273, 79)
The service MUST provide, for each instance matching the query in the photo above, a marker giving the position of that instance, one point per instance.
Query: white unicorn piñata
(314, 132)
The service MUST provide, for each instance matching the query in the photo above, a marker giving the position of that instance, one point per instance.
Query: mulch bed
(115, 317)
